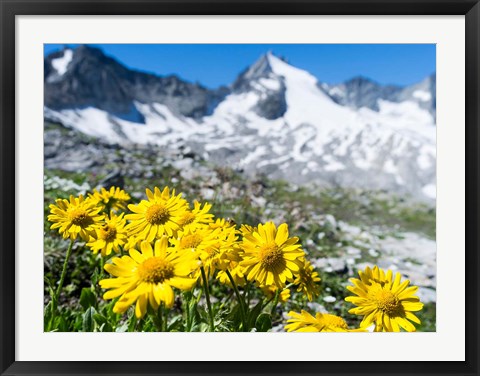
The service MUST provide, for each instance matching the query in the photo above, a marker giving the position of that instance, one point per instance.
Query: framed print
(239, 187)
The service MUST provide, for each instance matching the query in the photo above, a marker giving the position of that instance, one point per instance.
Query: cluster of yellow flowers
(164, 243)
(386, 304)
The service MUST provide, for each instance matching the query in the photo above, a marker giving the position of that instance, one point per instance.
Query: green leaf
(133, 323)
(88, 324)
(253, 314)
(123, 328)
(59, 324)
(102, 323)
(87, 298)
(263, 323)
(175, 324)
(47, 316)
(51, 287)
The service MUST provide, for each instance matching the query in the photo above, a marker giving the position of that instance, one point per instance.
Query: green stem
(165, 319)
(157, 318)
(187, 311)
(207, 297)
(275, 302)
(64, 273)
(102, 264)
(247, 292)
(240, 300)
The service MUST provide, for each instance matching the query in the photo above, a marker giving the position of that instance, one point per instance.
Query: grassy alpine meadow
(162, 258)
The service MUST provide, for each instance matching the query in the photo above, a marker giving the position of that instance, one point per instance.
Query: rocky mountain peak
(85, 77)
(260, 68)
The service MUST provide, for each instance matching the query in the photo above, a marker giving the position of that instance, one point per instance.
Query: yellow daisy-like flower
(270, 292)
(321, 322)
(75, 217)
(375, 275)
(307, 280)
(147, 277)
(236, 271)
(224, 251)
(385, 301)
(247, 229)
(222, 223)
(270, 257)
(113, 199)
(197, 217)
(109, 236)
(159, 215)
(195, 240)
(210, 246)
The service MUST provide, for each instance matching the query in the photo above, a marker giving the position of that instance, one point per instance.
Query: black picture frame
(11, 8)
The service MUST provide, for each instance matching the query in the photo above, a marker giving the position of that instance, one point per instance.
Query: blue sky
(219, 64)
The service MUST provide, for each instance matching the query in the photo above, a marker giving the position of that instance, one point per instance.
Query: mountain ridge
(274, 119)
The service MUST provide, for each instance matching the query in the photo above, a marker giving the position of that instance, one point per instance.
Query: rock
(373, 252)
(114, 179)
(331, 264)
(329, 299)
(207, 193)
(316, 307)
(330, 222)
(427, 295)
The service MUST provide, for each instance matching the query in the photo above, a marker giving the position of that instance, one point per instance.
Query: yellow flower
(75, 217)
(109, 236)
(375, 275)
(385, 301)
(247, 229)
(147, 277)
(197, 217)
(113, 199)
(158, 216)
(321, 322)
(224, 252)
(306, 280)
(212, 246)
(270, 292)
(236, 271)
(222, 223)
(270, 256)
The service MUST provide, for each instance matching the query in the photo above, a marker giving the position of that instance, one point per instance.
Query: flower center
(187, 219)
(190, 241)
(333, 321)
(270, 255)
(108, 233)
(387, 302)
(79, 217)
(157, 214)
(155, 270)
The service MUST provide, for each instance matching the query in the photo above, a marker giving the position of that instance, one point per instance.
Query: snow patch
(336, 91)
(270, 84)
(424, 96)
(61, 64)
(253, 156)
(390, 167)
(332, 164)
(430, 190)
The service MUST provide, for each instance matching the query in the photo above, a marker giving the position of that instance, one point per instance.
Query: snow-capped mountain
(274, 119)
(361, 92)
